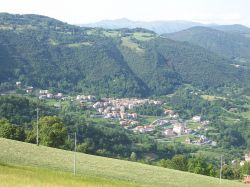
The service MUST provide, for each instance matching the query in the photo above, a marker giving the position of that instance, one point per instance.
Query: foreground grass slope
(23, 176)
(122, 173)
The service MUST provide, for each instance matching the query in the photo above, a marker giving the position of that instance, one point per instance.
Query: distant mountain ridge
(159, 27)
(162, 27)
(235, 28)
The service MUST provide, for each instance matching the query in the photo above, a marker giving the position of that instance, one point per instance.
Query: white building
(43, 92)
(169, 132)
(134, 115)
(97, 105)
(59, 95)
(100, 110)
(247, 157)
(29, 89)
(178, 129)
(49, 95)
(123, 115)
(91, 98)
(196, 119)
(188, 131)
(18, 84)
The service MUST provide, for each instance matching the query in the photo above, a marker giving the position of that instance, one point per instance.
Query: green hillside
(231, 45)
(30, 176)
(49, 54)
(91, 170)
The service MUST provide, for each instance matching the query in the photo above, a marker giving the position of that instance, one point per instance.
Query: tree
(179, 162)
(245, 170)
(227, 172)
(211, 170)
(133, 156)
(198, 165)
(10, 131)
(52, 132)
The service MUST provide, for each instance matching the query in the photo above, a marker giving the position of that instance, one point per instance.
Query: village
(170, 125)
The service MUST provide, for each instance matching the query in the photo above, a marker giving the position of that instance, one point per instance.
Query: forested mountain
(232, 45)
(236, 28)
(46, 53)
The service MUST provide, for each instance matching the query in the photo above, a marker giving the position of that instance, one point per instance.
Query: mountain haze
(163, 27)
(159, 27)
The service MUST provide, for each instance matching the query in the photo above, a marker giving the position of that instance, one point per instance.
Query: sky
(88, 11)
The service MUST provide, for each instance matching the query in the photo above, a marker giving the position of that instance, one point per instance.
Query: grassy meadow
(31, 165)
(28, 176)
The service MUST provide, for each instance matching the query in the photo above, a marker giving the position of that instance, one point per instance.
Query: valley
(152, 102)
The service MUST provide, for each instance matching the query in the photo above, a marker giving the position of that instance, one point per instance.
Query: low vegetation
(88, 166)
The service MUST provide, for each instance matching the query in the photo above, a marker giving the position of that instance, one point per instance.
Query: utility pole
(75, 156)
(37, 128)
(220, 168)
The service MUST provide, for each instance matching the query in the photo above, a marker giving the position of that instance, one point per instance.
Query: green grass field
(13, 176)
(32, 165)
(143, 36)
(127, 42)
(211, 97)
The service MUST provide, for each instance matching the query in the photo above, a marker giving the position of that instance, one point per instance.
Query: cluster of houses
(45, 94)
(85, 98)
(110, 108)
(200, 140)
(177, 129)
(28, 89)
(173, 126)
(144, 129)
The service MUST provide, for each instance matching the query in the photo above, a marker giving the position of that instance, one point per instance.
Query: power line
(220, 168)
(37, 128)
(75, 156)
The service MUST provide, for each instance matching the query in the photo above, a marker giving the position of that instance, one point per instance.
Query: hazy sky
(86, 11)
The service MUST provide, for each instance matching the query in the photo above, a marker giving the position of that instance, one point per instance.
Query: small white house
(169, 132)
(29, 89)
(196, 119)
(178, 128)
(43, 92)
(58, 95)
(247, 157)
(18, 84)
(49, 95)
